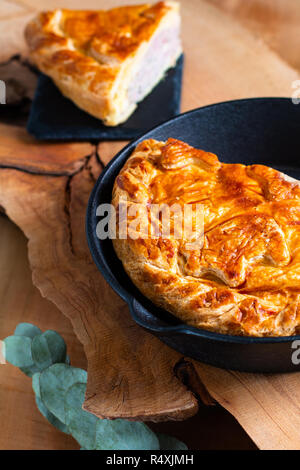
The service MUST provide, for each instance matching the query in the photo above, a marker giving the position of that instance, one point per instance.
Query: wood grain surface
(130, 373)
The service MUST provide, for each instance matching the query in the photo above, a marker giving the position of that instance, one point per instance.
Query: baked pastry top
(106, 61)
(245, 279)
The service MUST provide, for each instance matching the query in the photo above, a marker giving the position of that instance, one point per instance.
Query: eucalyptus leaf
(54, 382)
(81, 424)
(121, 434)
(170, 443)
(48, 348)
(50, 417)
(36, 384)
(27, 329)
(18, 351)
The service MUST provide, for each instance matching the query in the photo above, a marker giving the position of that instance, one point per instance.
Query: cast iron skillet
(262, 130)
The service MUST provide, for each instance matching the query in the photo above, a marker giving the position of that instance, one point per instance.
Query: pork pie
(106, 61)
(245, 280)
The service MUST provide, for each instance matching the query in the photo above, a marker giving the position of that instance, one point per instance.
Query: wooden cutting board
(44, 190)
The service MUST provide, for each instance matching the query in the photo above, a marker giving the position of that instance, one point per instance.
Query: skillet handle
(147, 320)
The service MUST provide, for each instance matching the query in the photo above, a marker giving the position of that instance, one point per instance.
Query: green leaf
(48, 348)
(170, 443)
(17, 351)
(50, 417)
(81, 424)
(120, 434)
(54, 382)
(27, 329)
(36, 384)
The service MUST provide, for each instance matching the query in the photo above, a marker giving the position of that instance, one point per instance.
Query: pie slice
(106, 61)
(245, 277)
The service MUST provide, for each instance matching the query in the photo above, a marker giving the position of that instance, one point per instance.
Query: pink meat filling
(159, 56)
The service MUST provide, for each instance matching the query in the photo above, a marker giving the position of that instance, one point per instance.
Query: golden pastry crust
(245, 280)
(93, 55)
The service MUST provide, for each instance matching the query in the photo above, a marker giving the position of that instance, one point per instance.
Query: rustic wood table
(233, 49)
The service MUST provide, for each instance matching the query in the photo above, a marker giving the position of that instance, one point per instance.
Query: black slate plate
(262, 130)
(54, 117)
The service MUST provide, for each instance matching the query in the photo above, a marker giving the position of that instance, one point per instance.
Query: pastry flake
(245, 279)
(106, 61)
